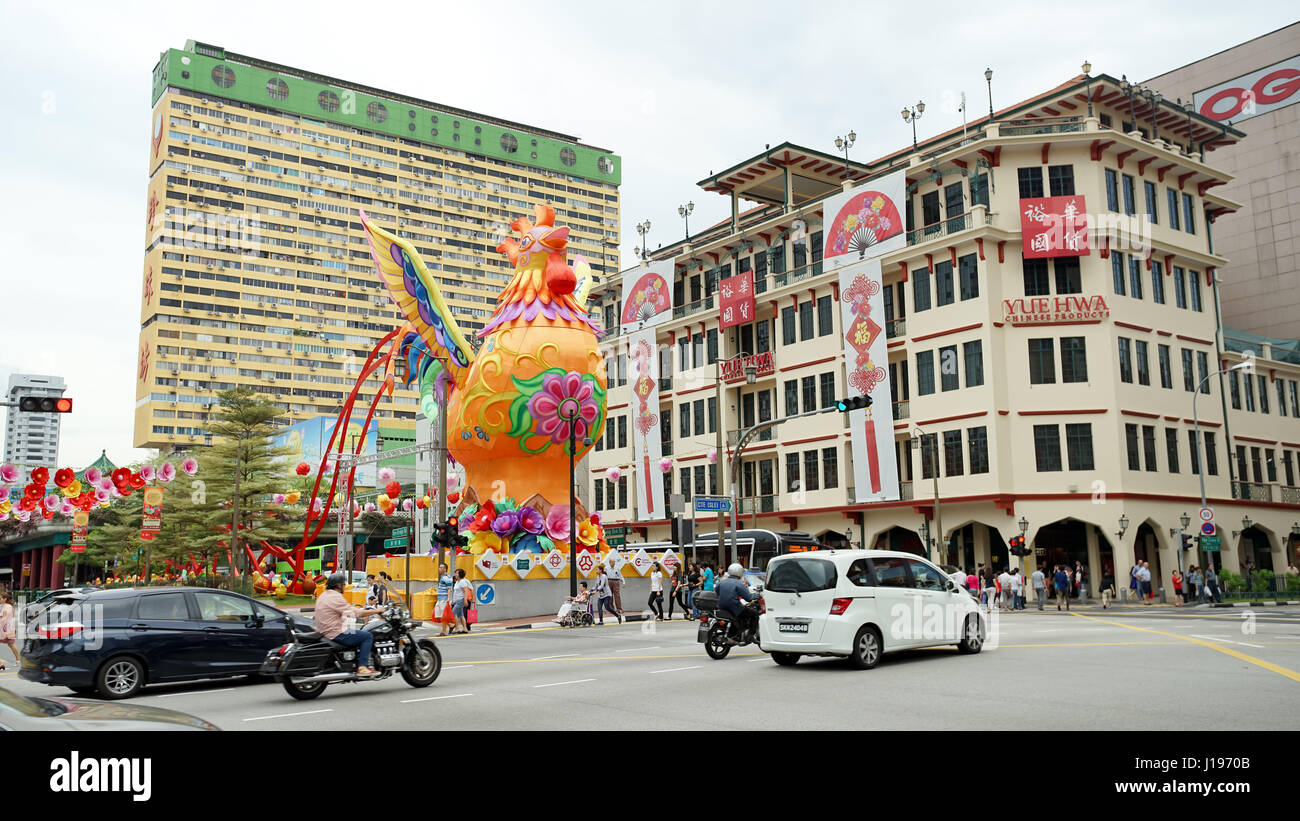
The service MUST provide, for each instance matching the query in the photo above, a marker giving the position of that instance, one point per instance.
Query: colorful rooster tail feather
(545, 215)
(523, 225)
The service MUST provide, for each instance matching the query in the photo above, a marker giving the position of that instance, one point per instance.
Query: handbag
(471, 615)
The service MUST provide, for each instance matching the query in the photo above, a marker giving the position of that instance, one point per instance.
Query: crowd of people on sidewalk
(605, 593)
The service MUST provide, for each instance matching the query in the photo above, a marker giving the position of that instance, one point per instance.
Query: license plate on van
(792, 627)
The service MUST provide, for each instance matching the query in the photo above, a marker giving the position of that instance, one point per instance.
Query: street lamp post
(751, 374)
(988, 78)
(643, 228)
(910, 115)
(924, 531)
(1196, 427)
(570, 411)
(684, 211)
(1128, 89)
(917, 436)
(844, 144)
(1153, 99)
(1087, 73)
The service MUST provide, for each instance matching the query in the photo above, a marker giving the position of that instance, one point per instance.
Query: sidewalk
(523, 623)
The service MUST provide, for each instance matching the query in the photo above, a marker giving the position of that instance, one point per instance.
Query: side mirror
(257, 620)
(952, 587)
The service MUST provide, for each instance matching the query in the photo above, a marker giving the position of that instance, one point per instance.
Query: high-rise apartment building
(32, 438)
(256, 269)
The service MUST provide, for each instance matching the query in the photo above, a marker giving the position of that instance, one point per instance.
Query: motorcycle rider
(331, 608)
(731, 591)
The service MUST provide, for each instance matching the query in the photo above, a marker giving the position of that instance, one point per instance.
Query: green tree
(240, 472)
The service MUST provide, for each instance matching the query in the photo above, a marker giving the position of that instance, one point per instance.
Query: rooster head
(542, 246)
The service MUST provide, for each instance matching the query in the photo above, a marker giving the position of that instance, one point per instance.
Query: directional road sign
(712, 504)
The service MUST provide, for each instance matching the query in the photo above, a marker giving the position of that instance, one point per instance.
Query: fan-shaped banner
(865, 221)
(647, 296)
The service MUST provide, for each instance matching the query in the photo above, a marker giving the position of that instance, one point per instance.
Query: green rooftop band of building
(211, 70)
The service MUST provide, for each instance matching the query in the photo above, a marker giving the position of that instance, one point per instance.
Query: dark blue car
(114, 642)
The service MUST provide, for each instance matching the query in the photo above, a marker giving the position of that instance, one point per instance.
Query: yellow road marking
(1237, 654)
(586, 658)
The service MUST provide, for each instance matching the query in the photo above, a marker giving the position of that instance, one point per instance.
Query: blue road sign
(485, 594)
(713, 505)
(1207, 528)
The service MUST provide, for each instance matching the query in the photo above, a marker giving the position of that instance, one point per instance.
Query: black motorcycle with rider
(731, 614)
(339, 651)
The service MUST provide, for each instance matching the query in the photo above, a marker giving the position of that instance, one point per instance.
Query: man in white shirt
(1017, 591)
(1004, 579)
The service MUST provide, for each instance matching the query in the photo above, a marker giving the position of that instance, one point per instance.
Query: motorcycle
(312, 662)
(718, 630)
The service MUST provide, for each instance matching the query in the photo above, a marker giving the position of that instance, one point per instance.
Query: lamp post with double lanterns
(1154, 100)
(918, 440)
(1129, 89)
(751, 376)
(910, 115)
(844, 144)
(643, 228)
(685, 211)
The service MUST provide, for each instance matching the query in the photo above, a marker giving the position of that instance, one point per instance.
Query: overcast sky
(678, 89)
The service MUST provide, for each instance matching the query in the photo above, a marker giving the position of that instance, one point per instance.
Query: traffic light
(852, 403)
(44, 404)
(1189, 542)
(1017, 546)
(446, 535)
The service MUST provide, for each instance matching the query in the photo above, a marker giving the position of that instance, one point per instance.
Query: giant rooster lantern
(535, 383)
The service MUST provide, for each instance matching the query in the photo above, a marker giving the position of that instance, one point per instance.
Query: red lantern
(394, 489)
(303, 469)
(41, 476)
(63, 477)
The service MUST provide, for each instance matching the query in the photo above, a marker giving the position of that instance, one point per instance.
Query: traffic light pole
(746, 436)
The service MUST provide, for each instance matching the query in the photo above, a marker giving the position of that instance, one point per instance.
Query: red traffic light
(44, 404)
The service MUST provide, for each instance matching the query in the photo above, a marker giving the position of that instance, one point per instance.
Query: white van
(861, 603)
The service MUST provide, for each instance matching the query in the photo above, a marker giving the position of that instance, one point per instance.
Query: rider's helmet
(735, 570)
(336, 581)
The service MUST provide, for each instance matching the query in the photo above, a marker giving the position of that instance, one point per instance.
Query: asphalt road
(1087, 670)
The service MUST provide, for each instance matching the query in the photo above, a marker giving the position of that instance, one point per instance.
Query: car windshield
(801, 575)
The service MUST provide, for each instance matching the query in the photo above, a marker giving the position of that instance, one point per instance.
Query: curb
(1255, 604)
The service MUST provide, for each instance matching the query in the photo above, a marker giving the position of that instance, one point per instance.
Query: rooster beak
(558, 238)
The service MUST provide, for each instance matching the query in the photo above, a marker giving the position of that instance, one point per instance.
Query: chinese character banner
(860, 225)
(647, 296)
(1054, 227)
(736, 300)
(647, 445)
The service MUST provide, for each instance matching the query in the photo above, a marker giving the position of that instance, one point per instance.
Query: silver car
(79, 714)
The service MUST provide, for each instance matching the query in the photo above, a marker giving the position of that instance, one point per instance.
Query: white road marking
(1211, 638)
(674, 669)
(558, 683)
(560, 656)
(635, 649)
(434, 698)
(196, 692)
(447, 667)
(752, 661)
(1248, 644)
(288, 715)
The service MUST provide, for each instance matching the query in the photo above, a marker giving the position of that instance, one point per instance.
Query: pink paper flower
(564, 397)
(102, 495)
(51, 502)
(407, 504)
(167, 472)
(8, 474)
(557, 523)
(23, 515)
(190, 467)
(613, 475)
(147, 472)
(453, 482)
(93, 475)
(713, 456)
(666, 465)
(278, 498)
(67, 508)
(386, 475)
(531, 521)
(370, 507)
(106, 484)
